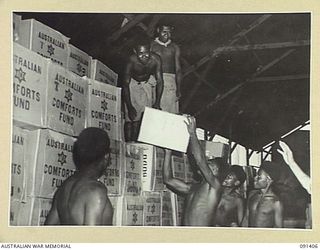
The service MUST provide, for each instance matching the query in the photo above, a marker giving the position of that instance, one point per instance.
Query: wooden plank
(266, 67)
(280, 78)
(234, 39)
(137, 19)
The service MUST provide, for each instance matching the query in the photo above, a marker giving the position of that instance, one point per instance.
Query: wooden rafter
(196, 87)
(228, 49)
(280, 78)
(134, 21)
(234, 39)
(263, 69)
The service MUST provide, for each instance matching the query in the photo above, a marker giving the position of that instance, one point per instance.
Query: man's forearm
(126, 95)
(159, 91)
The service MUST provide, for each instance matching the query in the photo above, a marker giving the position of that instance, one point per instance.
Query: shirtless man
(82, 199)
(170, 56)
(202, 198)
(230, 210)
(142, 75)
(264, 207)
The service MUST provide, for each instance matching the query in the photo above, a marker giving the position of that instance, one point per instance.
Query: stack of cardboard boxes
(58, 90)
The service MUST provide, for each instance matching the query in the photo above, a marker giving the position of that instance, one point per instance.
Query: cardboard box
(132, 183)
(44, 40)
(178, 207)
(178, 167)
(164, 129)
(66, 100)
(33, 212)
(158, 183)
(49, 162)
(152, 209)
(79, 62)
(104, 109)
(103, 73)
(117, 212)
(128, 210)
(167, 213)
(215, 149)
(148, 166)
(114, 174)
(18, 168)
(29, 87)
(16, 19)
(188, 168)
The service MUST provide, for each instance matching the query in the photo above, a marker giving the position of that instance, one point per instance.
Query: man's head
(235, 177)
(268, 173)
(142, 50)
(92, 146)
(218, 167)
(164, 32)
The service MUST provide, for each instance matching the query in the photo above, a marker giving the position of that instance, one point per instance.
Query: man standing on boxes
(142, 75)
(202, 198)
(170, 57)
(82, 199)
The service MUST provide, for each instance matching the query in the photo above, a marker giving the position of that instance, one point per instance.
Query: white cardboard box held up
(164, 129)
(79, 62)
(152, 209)
(66, 100)
(49, 161)
(132, 182)
(29, 87)
(18, 167)
(103, 73)
(114, 174)
(44, 40)
(104, 108)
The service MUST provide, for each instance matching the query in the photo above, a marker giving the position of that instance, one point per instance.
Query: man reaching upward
(202, 198)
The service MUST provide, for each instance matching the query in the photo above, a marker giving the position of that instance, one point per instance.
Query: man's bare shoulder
(155, 57)
(93, 187)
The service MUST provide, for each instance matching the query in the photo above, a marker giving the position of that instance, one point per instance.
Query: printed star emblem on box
(135, 217)
(104, 105)
(132, 164)
(20, 75)
(50, 50)
(68, 95)
(62, 158)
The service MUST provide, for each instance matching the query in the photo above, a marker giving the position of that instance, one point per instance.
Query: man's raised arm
(175, 184)
(199, 155)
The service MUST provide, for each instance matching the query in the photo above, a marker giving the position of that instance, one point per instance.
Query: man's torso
(142, 72)
(167, 55)
(227, 210)
(201, 204)
(261, 210)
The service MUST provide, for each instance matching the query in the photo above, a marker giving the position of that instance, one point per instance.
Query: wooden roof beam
(280, 78)
(136, 20)
(234, 39)
(266, 67)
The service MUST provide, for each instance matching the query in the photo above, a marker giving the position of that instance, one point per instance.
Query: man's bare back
(82, 199)
(75, 197)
